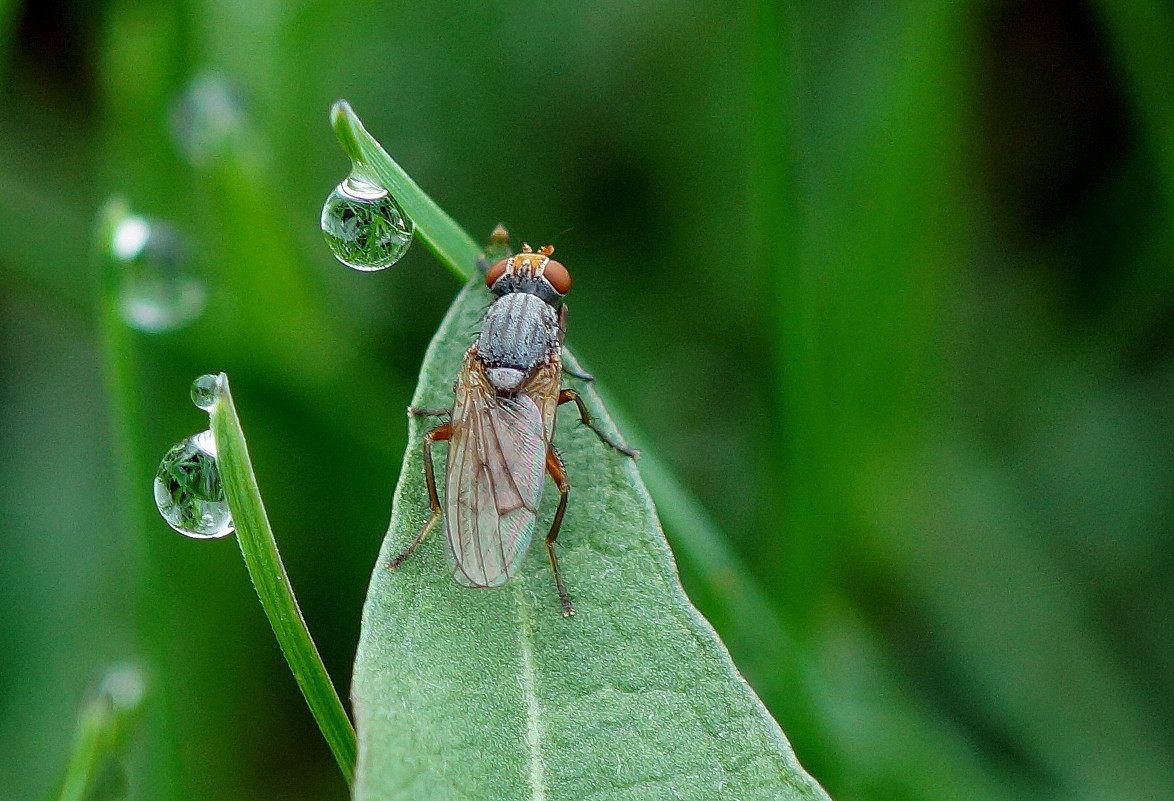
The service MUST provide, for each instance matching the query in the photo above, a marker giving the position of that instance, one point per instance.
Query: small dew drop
(364, 226)
(124, 685)
(206, 391)
(208, 119)
(156, 290)
(188, 491)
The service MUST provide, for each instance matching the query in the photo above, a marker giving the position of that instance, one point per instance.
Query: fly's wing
(496, 466)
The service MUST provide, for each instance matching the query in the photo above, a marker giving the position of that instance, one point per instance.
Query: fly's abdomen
(496, 465)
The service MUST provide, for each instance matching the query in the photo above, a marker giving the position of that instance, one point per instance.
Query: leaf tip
(347, 127)
(340, 109)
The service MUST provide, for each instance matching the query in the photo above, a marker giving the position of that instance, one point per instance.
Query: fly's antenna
(558, 236)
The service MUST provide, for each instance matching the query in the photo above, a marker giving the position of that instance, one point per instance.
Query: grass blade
(259, 549)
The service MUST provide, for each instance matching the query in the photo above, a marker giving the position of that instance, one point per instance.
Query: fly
(501, 426)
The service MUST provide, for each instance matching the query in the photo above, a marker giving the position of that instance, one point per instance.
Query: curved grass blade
(493, 694)
(448, 241)
(259, 549)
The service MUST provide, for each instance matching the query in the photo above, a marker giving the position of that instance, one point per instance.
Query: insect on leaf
(492, 694)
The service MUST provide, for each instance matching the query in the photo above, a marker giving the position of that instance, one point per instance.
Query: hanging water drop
(188, 491)
(206, 391)
(364, 226)
(156, 290)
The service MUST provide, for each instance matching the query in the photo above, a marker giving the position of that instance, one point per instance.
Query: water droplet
(156, 291)
(206, 391)
(188, 491)
(208, 119)
(364, 226)
(124, 685)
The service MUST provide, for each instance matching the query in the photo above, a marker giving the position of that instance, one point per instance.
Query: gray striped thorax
(520, 332)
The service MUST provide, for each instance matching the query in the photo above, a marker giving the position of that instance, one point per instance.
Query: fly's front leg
(554, 466)
(569, 368)
(439, 434)
(575, 372)
(571, 395)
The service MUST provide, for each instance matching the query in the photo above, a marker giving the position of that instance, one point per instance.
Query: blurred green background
(890, 287)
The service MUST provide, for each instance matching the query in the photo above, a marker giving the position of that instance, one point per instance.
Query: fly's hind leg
(571, 395)
(439, 434)
(554, 466)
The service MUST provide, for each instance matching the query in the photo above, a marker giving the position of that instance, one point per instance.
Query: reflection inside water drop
(156, 291)
(188, 491)
(364, 226)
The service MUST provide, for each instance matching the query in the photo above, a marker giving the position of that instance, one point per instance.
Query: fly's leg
(571, 395)
(554, 466)
(575, 372)
(439, 434)
(414, 412)
(570, 369)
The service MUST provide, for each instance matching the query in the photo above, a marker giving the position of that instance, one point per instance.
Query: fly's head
(533, 273)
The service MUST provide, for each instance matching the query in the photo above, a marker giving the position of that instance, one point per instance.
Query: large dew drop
(188, 491)
(156, 291)
(364, 226)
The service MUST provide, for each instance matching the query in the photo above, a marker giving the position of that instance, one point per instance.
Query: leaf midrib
(533, 737)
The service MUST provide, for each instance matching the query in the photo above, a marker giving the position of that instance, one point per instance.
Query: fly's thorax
(520, 332)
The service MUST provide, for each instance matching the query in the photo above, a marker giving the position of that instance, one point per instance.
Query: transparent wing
(496, 465)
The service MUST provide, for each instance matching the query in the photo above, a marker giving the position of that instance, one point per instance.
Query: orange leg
(439, 434)
(554, 466)
(571, 395)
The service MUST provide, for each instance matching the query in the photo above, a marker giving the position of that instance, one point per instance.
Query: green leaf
(463, 693)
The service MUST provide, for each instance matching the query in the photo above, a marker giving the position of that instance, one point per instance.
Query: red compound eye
(495, 272)
(558, 277)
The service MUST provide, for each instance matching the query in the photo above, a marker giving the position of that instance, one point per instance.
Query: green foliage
(887, 289)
